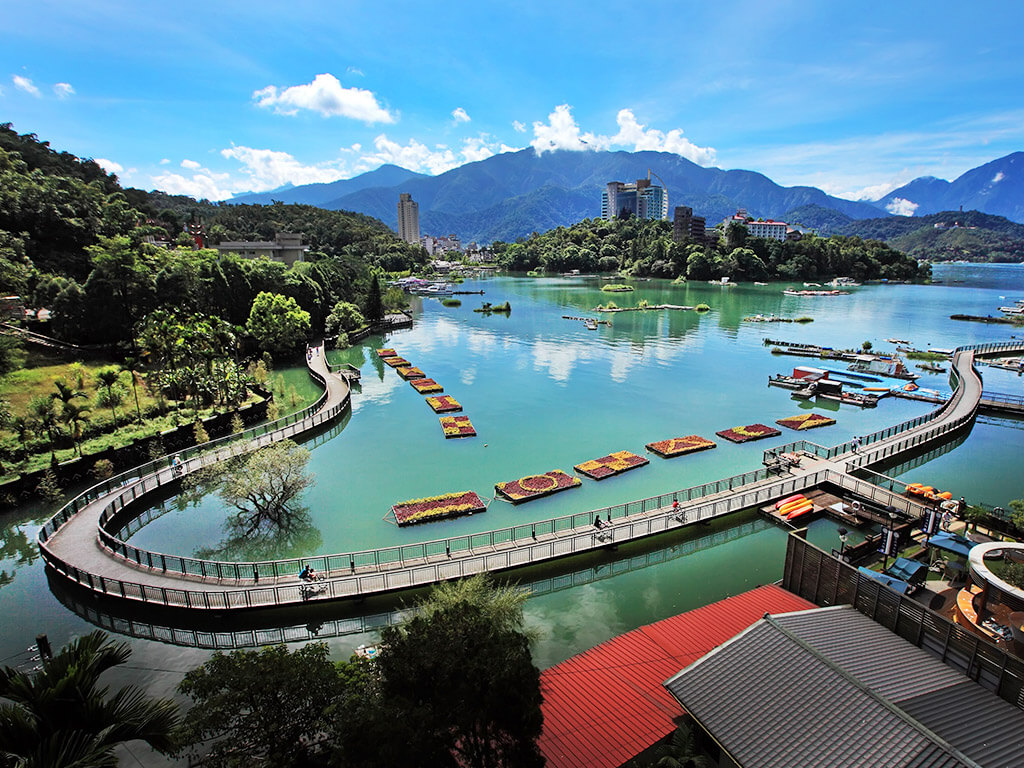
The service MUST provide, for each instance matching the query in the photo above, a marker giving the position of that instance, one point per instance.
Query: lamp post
(892, 535)
(843, 536)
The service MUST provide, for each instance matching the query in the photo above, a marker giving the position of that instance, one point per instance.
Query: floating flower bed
(437, 508)
(444, 404)
(749, 432)
(806, 421)
(457, 426)
(535, 486)
(396, 362)
(410, 373)
(386, 352)
(677, 446)
(423, 386)
(612, 464)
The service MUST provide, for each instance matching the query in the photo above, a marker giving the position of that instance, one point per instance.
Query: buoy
(855, 506)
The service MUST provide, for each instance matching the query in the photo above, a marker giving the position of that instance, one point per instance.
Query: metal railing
(152, 469)
(416, 565)
(412, 565)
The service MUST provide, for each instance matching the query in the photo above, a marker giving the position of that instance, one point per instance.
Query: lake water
(546, 393)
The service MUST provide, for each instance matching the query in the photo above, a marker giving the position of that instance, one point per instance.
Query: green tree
(261, 708)
(277, 322)
(374, 303)
(108, 377)
(344, 317)
(131, 367)
(1017, 514)
(61, 717)
(263, 486)
(74, 415)
(453, 687)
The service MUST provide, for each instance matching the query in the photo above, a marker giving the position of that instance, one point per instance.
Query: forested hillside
(640, 247)
(74, 241)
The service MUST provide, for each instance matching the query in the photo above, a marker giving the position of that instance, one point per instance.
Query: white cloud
(460, 115)
(63, 90)
(413, 156)
(900, 207)
(997, 178)
(520, 127)
(191, 164)
(327, 96)
(108, 165)
(355, 71)
(268, 169)
(210, 186)
(562, 132)
(165, 161)
(476, 149)
(24, 84)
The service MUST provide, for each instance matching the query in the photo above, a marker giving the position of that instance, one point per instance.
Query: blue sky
(217, 98)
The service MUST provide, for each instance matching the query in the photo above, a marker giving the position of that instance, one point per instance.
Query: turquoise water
(546, 393)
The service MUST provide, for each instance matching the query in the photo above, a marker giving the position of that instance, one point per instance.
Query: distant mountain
(824, 221)
(996, 188)
(946, 236)
(513, 194)
(318, 194)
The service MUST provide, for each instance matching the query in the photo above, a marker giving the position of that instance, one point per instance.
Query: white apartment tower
(408, 218)
(642, 199)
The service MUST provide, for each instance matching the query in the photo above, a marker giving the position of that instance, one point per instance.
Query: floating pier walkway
(85, 542)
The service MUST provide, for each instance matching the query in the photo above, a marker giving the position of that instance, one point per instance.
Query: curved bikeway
(108, 566)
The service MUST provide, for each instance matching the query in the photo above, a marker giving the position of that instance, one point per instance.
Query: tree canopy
(277, 322)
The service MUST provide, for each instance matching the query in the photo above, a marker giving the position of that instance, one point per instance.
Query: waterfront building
(687, 226)
(766, 228)
(286, 247)
(408, 218)
(640, 199)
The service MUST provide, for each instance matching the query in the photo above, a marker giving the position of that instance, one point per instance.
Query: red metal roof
(606, 705)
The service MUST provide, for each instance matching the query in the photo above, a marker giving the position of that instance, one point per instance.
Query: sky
(219, 98)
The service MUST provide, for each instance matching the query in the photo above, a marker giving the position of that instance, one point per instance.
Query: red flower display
(749, 432)
(410, 373)
(609, 465)
(437, 507)
(386, 352)
(535, 486)
(457, 426)
(443, 404)
(806, 421)
(677, 446)
(396, 362)
(423, 386)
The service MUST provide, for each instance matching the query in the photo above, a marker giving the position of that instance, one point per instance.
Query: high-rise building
(686, 225)
(642, 199)
(408, 218)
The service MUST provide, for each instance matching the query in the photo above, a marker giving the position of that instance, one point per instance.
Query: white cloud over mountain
(900, 207)
(563, 132)
(327, 96)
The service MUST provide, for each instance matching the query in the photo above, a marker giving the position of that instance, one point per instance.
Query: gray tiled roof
(830, 687)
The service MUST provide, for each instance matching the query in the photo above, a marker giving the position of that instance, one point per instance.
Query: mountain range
(513, 194)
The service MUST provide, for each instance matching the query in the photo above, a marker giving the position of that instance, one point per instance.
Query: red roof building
(607, 705)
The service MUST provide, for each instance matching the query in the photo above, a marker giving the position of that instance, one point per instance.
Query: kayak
(784, 502)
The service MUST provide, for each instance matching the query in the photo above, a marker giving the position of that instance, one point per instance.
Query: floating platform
(612, 464)
(677, 446)
(535, 486)
(444, 404)
(457, 426)
(435, 508)
(748, 432)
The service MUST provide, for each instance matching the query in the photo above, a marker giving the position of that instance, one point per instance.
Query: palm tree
(131, 365)
(65, 393)
(73, 415)
(59, 716)
(45, 415)
(108, 378)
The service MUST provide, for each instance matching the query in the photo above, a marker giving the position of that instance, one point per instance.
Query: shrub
(804, 319)
(451, 302)
(200, 433)
(48, 488)
(702, 308)
(103, 469)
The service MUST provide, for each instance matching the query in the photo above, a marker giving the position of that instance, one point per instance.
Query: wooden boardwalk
(77, 543)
